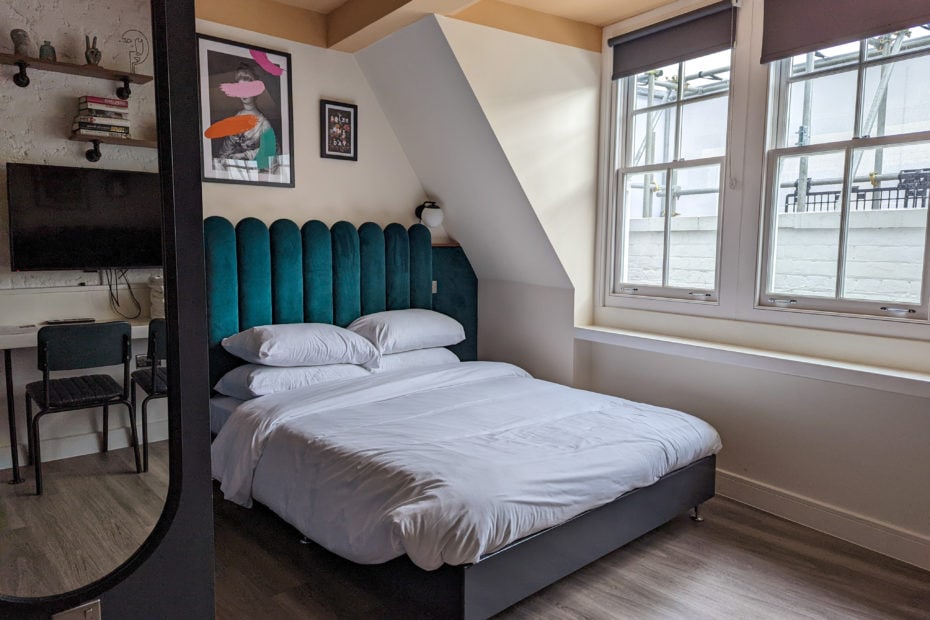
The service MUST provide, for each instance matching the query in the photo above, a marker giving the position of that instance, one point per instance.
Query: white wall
(845, 459)
(541, 100)
(381, 186)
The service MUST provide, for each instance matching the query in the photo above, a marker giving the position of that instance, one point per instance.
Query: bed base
(526, 566)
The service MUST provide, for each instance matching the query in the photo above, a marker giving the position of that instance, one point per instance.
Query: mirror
(95, 510)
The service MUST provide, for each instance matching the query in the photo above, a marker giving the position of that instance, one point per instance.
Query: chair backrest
(84, 345)
(158, 341)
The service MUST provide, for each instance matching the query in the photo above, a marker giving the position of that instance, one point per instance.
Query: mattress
(221, 407)
(445, 465)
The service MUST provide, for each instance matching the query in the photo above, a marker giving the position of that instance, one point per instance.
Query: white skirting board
(883, 538)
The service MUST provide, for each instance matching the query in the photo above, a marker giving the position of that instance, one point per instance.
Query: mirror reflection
(83, 431)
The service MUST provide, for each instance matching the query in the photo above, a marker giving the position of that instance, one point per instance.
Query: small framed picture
(338, 130)
(247, 133)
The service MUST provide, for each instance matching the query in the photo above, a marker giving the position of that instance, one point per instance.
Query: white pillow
(301, 344)
(420, 358)
(252, 380)
(396, 331)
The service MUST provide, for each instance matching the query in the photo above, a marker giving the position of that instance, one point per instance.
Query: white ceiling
(597, 12)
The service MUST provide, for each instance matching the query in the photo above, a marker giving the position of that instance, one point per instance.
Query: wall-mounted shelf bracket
(93, 154)
(124, 91)
(21, 79)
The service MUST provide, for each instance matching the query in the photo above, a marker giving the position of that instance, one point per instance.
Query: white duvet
(445, 465)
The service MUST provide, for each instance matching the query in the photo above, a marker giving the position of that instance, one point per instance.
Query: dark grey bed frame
(499, 579)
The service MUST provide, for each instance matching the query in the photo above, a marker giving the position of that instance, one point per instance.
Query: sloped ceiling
(457, 156)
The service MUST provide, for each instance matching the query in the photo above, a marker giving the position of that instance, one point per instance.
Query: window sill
(822, 369)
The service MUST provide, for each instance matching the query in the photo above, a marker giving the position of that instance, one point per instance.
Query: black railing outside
(910, 193)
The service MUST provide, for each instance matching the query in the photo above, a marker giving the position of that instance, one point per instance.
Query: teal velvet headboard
(285, 273)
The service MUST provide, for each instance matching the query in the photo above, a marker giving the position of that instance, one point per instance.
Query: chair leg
(135, 435)
(106, 428)
(37, 452)
(145, 434)
(28, 429)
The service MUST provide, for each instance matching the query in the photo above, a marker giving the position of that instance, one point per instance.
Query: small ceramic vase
(47, 52)
(22, 44)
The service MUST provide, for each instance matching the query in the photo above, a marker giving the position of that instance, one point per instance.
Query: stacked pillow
(291, 356)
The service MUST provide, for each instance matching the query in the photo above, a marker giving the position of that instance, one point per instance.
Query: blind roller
(691, 35)
(793, 27)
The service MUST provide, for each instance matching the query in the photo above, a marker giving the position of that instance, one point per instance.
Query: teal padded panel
(457, 296)
(253, 249)
(287, 280)
(371, 252)
(219, 240)
(347, 303)
(397, 270)
(318, 272)
(421, 267)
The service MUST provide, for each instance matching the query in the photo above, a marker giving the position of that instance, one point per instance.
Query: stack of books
(101, 117)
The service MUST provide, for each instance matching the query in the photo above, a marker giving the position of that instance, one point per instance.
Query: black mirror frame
(171, 574)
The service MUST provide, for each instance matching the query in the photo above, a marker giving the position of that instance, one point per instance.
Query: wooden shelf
(75, 69)
(148, 144)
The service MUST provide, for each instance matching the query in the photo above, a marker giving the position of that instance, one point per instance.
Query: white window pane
(896, 98)
(695, 202)
(821, 109)
(887, 223)
(643, 247)
(707, 75)
(916, 38)
(807, 225)
(655, 87)
(826, 58)
(704, 128)
(653, 137)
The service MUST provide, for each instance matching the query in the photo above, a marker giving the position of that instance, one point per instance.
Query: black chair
(78, 347)
(153, 380)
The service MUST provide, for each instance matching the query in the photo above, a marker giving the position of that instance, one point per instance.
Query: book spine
(93, 133)
(90, 105)
(99, 127)
(102, 113)
(101, 120)
(116, 103)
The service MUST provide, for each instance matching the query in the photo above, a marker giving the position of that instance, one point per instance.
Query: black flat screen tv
(82, 218)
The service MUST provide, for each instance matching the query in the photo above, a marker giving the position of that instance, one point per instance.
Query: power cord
(113, 277)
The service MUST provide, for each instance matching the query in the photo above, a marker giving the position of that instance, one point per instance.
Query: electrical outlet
(143, 361)
(435, 287)
(87, 611)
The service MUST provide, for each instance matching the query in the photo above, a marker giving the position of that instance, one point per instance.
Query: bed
(479, 516)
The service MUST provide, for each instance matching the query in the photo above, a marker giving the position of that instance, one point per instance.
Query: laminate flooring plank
(739, 563)
(95, 511)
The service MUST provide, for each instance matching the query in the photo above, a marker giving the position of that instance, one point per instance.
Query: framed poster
(246, 119)
(338, 130)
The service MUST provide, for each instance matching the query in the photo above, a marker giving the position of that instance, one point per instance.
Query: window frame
(741, 216)
(623, 112)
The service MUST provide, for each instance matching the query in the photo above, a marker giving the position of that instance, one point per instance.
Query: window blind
(704, 31)
(793, 27)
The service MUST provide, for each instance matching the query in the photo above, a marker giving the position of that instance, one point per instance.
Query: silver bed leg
(696, 514)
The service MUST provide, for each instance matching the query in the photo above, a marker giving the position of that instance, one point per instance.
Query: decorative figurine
(92, 55)
(47, 52)
(22, 44)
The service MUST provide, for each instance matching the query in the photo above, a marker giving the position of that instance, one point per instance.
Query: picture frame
(338, 130)
(246, 113)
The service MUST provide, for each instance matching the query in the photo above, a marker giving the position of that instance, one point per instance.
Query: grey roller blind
(793, 27)
(691, 35)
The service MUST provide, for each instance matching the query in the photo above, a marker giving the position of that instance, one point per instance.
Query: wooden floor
(94, 512)
(739, 563)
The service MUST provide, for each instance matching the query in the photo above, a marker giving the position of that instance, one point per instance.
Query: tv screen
(82, 218)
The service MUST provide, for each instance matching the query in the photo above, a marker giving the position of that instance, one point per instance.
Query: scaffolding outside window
(847, 178)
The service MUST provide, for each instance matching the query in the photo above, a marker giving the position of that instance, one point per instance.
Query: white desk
(24, 337)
